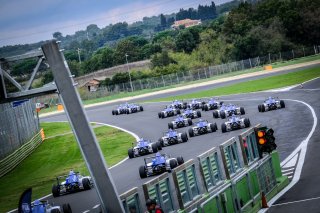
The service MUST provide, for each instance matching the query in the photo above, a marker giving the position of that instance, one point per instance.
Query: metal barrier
(131, 201)
(266, 175)
(210, 168)
(187, 185)
(10, 162)
(248, 145)
(159, 189)
(231, 157)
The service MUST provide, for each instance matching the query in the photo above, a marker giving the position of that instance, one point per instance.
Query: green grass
(252, 86)
(54, 157)
(145, 91)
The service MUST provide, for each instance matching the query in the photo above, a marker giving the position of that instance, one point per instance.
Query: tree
(162, 59)
(57, 35)
(185, 41)
(163, 21)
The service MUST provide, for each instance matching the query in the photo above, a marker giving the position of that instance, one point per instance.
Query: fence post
(250, 63)
(315, 50)
(269, 59)
(304, 53)
(164, 84)
(198, 75)
(205, 72)
(140, 84)
(292, 54)
(242, 64)
(280, 56)
(177, 78)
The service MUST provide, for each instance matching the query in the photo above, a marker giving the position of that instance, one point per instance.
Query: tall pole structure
(87, 141)
(129, 73)
(78, 50)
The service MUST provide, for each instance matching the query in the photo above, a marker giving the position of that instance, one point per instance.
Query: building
(93, 84)
(186, 23)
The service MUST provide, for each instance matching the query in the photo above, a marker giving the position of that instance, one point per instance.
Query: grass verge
(56, 156)
(267, 83)
(140, 92)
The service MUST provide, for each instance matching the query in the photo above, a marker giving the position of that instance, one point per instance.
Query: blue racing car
(227, 111)
(202, 127)
(271, 104)
(144, 147)
(172, 137)
(159, 164)
(169, 111)
(179, 122)
(211, 104)
(190, 113)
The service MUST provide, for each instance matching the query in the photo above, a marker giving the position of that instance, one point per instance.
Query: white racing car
(234, 123)
(271, 104)
(172, 137)
(202, 127)
(227, 111)
(179, 122)
(144, 147)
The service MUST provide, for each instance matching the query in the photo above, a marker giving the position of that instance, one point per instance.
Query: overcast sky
(28, 21)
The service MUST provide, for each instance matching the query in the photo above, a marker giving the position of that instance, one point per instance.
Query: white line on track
(297, 201)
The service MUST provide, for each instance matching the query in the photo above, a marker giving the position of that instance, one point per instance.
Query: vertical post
(280, 56)
(78, 50)
(86, 139)
(198, 74)
(250, 63)
(292, 54)
(129, 72)
(205, 72)
(315, 50)
(177, 78)
(304, 53)
(164, 84)
(140, 84)
(242, 64)
(3, 94)
(269, 59)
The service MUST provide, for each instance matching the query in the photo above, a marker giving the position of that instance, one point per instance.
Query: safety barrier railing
(187, 186)
(210, 169)
(160, 190)
(231, 157)
(131, 201)
(11, 161)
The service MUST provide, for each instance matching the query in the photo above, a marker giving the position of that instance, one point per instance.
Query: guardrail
(11, 161)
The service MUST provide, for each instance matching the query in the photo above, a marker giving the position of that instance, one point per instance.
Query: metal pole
(129, 73)
(292, 54)
(250, 63)
(304, 53)
(269, 59)
(78, 50)
(86, 139)
(280, 57)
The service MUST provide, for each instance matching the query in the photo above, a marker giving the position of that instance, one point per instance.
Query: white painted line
(292, 162)
(287, 173)
(86, 211)
(302, 148)
(290, 176)
(287, 169)
(96, 206)
(297, 201)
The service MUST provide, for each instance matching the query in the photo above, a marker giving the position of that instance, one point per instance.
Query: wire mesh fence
(199, 74)
(18, 124)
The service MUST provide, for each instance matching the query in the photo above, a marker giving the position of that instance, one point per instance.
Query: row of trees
(204, 13)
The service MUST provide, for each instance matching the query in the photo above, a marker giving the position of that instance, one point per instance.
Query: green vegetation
(253, 86)
(54, 157)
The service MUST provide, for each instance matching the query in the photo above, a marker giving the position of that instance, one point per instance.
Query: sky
(29, 21)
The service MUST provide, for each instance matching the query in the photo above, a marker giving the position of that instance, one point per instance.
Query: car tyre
(223, 128)
(55, 191)
(215, 114)
(159, 145)
(178, 111)
(154, 147)
(180, 160)
(55, 211)
(282, 104)
(184, 137)
(141, 108)
(162, 114)
(142, 172)
(130, 153)
(259, 107)
(199, 114)
(246, 122)
(66, 208)
(263, 109)
(191, 133)
(161, 142)
(242, 111)
(159, 114)
(86, 184)
(212, 127)
(170, 125)
(222, 114)
(173, 163)
(189, 121)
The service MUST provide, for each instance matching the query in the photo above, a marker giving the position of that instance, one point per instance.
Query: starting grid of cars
(185, 114)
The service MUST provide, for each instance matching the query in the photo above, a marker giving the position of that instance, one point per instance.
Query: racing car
(168, 112)
(178, 104)
(189, 113)
(179, 122)
(44, 207)
(144, 147)
(211, 104)
(121, 109)
(227, 111)
(73, 182)
(38, 206)
(271, 104)
(172, 137)
(234, 123)
(202, 127)
(195, 104)
(133, 108)
(159, 164)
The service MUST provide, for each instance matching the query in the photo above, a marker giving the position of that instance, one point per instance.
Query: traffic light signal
(265, 140)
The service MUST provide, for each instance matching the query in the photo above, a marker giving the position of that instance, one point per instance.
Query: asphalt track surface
(291, 125)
